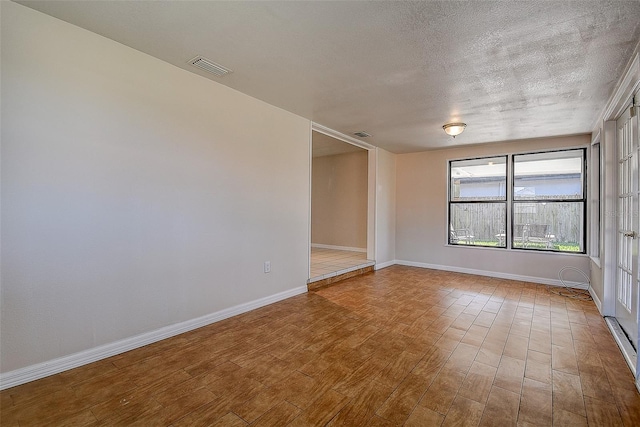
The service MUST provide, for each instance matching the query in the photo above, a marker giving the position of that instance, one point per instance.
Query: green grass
(557, 246)
(486, 243)
(567, 247)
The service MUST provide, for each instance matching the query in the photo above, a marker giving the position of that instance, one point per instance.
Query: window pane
(549, 225)
(554, 175)
(478, 224)
(479, 179)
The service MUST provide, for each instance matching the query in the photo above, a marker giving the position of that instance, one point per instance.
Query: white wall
(385, 208)
(421, 233)
(135, 195)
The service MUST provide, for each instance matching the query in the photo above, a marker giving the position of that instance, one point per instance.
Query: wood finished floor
(402, 346)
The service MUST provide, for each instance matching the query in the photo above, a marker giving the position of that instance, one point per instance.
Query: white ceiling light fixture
(454, 129)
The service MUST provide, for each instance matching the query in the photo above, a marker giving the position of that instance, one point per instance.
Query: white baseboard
(596, 300)
(338, 248)
(496, 274)
(382, 265)
(55, 366)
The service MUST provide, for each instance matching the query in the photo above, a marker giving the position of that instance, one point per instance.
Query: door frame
(371, 184)
(619, 101)
(626, 234)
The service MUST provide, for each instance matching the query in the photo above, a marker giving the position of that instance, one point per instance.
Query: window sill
(491, 248)
(518, 250)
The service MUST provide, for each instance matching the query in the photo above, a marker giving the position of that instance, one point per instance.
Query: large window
(544, 208)
(478, 201)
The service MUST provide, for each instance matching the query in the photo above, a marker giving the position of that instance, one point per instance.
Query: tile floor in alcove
(331, 262)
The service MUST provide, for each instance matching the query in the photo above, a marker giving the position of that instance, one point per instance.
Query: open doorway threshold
(328, 279)
(331, 265)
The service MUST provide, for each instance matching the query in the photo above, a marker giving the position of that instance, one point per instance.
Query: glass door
(626, 308)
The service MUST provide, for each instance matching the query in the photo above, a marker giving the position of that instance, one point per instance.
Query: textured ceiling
(397, 70)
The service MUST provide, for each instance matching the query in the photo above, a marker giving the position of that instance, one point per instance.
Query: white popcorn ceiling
(397, 70)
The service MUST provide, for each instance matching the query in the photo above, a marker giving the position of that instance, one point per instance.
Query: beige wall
(421, 215)
(135, 195)
(339, 200)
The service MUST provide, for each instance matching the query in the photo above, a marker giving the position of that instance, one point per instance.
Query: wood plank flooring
(401, 346)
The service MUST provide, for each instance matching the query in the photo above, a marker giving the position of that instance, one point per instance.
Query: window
(544, 208)
(549, 201)
(478, 201)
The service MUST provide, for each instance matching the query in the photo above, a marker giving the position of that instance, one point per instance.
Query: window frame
(583, 200)
(451, 202)
(510, 202)
(596, 181)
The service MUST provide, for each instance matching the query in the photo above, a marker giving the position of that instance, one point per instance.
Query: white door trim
(606, 124)
(371, 183)
(618, 101)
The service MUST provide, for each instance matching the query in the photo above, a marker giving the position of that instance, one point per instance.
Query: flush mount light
(454, 129)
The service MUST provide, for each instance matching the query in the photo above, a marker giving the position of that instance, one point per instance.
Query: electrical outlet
(267, 266)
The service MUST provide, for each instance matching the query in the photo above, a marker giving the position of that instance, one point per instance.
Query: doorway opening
(339, 208)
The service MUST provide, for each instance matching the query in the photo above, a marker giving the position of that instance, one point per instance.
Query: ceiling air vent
(209, 67)
(361, 134)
